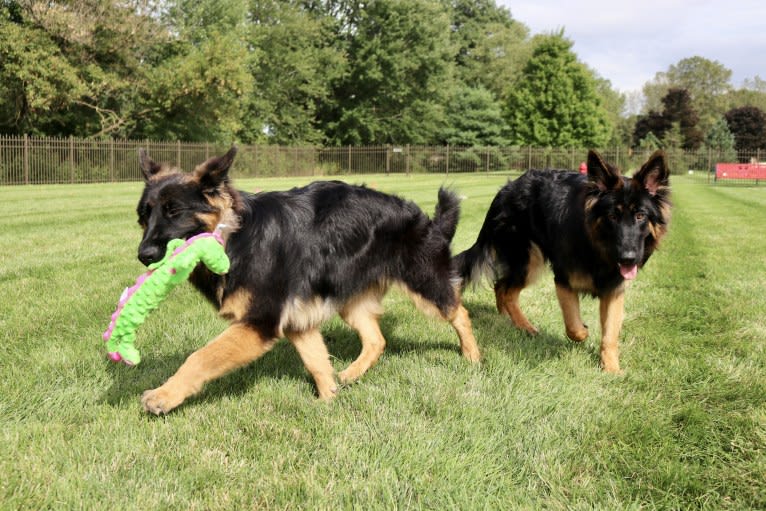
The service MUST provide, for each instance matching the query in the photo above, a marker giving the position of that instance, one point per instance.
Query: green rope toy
(151, 288)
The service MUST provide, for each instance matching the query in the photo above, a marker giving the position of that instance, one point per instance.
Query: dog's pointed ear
(653, 174)
(215, 171)
(604, 176)
(148, 166)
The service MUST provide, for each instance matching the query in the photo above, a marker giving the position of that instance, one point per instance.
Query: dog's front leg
(237, 346)
(569, 301)
(612, 312)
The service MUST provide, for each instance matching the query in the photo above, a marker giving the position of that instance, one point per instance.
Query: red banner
(740, 171)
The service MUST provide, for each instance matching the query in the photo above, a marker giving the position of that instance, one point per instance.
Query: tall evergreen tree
(554, 102)
(399, 64)
(721, 140)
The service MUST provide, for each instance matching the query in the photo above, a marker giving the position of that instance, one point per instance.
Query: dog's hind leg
(237, 346)
(612, 311)
(507, 301)
(525, 267)
(313, 352)
(569, 301)
(362, 314)
(461, 322)
(454, 313)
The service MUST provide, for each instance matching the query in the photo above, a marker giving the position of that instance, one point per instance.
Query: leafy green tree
(74, 67)
(296, 64)
(197, 81)
(491, 47)
(554, 101)
(708, 82)
(399, 64)
(677, 110)
(748, 125)
(721, 141)
(36, 79)
(474, 119)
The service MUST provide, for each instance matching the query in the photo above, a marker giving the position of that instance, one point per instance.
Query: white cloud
(629, 42)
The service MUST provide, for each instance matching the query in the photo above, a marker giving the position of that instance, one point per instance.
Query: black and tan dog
(596, 231)
(297, 258)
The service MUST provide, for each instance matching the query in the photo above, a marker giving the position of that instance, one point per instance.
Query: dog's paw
(578, 335)
(161, 400)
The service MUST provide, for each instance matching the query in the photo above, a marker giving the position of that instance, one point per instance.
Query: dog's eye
(171, 210)
(640, 217)
(612, 216)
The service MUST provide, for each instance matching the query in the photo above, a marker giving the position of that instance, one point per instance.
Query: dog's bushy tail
(477, 262)
(447, 213)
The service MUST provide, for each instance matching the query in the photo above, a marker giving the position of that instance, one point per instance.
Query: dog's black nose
(149, 255)
(629, 257)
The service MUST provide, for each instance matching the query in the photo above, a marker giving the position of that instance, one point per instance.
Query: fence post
(529, 163)
(447, 171)
(255, 160)
(71, 159)
(488, 159)
(111, 160)
(178, 153)
(407, 161)
(349, 159)
(388, 159)
(26, 159)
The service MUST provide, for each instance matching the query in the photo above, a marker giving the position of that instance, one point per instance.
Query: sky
(628, 42)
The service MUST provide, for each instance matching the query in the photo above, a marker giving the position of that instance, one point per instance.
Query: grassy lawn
(535, 425)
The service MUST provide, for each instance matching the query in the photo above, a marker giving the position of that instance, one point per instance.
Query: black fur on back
(328, 241)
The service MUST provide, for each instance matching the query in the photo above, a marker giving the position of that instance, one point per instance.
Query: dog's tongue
(629, 272)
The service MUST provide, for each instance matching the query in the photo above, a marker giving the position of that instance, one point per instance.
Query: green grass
(535, 425)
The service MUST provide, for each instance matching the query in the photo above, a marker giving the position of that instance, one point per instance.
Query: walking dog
(595, 230)
(297, 258)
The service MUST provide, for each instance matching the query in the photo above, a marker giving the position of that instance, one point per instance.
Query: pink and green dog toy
(151, 288)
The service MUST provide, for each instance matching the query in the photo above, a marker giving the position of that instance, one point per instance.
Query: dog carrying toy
(151, 288)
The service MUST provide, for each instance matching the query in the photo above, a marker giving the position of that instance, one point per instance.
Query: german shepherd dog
(298, 257)
(596, 231)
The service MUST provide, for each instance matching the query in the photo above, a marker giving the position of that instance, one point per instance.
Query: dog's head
(175, 204)
(627, 217)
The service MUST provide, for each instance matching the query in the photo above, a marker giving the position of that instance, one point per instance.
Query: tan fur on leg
(362, 314)
(569, 301)
(612, 311)
(507, 301)
(461, 322)
(313, 352)
(237, 346)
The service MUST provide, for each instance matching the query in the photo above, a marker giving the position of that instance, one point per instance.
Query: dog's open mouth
(629, 271)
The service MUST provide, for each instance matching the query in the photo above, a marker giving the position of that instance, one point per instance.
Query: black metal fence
(32, 160)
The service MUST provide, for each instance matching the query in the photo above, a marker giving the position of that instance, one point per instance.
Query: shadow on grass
(493, 332)
(496, 331)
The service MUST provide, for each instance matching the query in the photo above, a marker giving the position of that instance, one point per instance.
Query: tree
(399, 64)
(491, 47)
(677, 110)
(721, 141)
(708, 81)
(554, 101)
(748, 125)
(198, 81)
(653, 123)
(474, 119)
(74, 68)
(36, 79)
(293, 69)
